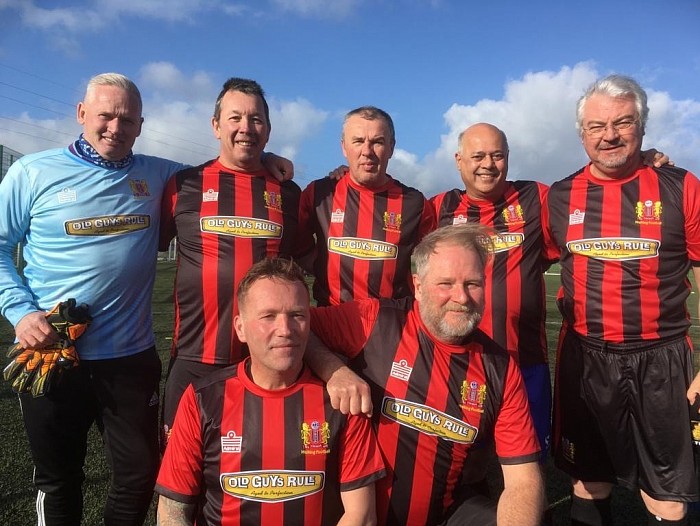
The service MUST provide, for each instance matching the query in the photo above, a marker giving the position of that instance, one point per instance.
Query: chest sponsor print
(360, 248)
(428, 420)
(107, 225)
(615, 248)
(235, 226)
(272, 486)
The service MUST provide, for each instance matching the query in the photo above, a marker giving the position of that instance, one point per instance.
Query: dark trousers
(119, 395)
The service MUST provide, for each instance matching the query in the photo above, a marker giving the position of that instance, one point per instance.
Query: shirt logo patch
(67, 196)
(210, 196)
(507, 241)
(359, 248)
(231, 443)
(513, 214)
(273, 200)
(241, 227)
(392, 222)
(648, 212)
(695, 431)
(473, 396)
(338, 216)
(107, 225)
(314, 438)
(429, 421)
(401, 370)
(576, 218)
(615, 249)
(568, 449)
(139, 188)
(272, 486)
(459, 220)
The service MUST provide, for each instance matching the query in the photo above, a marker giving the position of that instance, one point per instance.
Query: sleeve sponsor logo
(615, 248)
(107, 225)
(507, 241)
(360, 248)
(429, 421)
(272, 486)
(241, 227)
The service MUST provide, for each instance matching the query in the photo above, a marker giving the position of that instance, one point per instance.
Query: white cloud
(537, 113)
(293, 122)
(320, 8)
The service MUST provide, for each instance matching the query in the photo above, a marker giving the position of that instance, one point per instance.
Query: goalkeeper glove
(36, 370)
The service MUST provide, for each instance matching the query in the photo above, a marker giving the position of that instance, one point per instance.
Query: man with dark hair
(259, 443)
(627, 236)
(359, 231)
(442, 390)
(227, 214)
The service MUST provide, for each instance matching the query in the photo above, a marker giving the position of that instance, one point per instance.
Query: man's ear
(238, 325)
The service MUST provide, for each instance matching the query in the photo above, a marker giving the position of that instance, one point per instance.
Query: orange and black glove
(36, 370)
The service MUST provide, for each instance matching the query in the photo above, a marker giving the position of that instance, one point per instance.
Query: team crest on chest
(513, 214)
(315, 437)
(210, 195)
(648, 212)
(231, 443)
(273, 200)
(139, 188)
(392, 221)
(473, 396)
(338, 216)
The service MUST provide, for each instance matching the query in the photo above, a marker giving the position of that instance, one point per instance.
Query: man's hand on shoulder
(349, 393)
(280, 167)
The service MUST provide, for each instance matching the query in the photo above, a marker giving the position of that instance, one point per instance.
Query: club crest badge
(273, 200)
(648, 212)
(139, 188)
(315, 437)
(473, 396)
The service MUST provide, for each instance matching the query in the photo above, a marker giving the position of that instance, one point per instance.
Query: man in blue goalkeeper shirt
(87, 217)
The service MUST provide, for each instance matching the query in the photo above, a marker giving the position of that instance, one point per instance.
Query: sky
(437, 66)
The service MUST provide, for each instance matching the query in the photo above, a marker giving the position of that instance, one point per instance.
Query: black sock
(590, 512)
(653, 520)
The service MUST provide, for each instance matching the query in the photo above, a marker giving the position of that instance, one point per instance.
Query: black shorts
(621, 415)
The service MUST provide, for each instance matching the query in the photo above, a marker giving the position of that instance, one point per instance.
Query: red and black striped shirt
(435, 405)
(363, 238)
(225, 221)
(626, 249)
(250, 456)
(515, 309)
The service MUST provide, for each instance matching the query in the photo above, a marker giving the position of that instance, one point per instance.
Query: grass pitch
(17, 494)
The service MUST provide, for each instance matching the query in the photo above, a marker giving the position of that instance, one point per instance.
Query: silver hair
(617, 86)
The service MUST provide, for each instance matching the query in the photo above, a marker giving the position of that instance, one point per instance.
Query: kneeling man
(258, 442)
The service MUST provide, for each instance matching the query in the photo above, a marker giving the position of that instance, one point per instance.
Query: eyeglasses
(621, 127)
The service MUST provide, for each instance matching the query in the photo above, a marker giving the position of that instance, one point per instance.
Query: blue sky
(436, 66)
